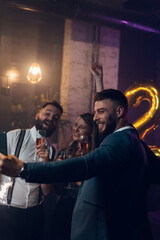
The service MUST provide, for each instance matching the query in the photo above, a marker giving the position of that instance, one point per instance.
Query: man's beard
(110, 128)
(39, 126)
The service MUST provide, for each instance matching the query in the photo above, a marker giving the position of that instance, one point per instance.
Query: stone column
(80, 49)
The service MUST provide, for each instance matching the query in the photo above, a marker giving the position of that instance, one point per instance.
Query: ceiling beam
(90, 11)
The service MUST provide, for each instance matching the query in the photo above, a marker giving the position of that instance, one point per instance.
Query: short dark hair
(114, 95)
(54, 103)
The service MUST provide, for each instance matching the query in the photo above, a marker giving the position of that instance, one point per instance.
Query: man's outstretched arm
(10, 165)
(68, 170)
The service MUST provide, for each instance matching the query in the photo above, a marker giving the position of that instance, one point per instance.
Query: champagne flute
(83, 144)
(40, 139)
(41, 134)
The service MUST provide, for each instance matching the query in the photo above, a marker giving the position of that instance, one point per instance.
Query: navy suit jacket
(111, 204)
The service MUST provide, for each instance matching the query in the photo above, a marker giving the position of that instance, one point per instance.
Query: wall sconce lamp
(7, 80)
(34, 74)
(12, 75)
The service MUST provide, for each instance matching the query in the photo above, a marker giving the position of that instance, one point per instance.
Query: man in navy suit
(111, 204)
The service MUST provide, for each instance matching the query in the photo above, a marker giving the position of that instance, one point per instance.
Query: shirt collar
(124, 128)
(34, 133)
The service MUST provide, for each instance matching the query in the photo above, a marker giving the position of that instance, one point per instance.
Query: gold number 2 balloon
(148, 121)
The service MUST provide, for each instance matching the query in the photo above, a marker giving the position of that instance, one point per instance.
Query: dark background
(32, 31)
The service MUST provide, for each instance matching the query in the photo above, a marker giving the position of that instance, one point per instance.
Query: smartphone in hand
(3, 143)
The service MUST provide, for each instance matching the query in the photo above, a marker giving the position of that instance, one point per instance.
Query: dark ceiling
(142, 14)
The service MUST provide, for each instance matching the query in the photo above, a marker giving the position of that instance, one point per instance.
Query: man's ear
(36, 116)
(120, 111)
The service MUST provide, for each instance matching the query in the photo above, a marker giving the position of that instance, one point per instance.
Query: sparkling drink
(83, 144)
(39, 141)
(84, 147)
(41, 134)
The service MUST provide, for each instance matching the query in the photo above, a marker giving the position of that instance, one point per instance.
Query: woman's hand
(97, 71)
(60, 158)
(79, 153)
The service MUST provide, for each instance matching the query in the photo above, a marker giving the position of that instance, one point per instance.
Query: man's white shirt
(24, 195)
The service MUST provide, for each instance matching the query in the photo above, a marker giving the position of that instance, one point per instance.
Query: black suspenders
(17, 151)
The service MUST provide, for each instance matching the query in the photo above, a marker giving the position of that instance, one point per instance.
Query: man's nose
(50, 118)
(95, 117)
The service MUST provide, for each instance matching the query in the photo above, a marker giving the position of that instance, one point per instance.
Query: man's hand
(10, 165)
(43, 152)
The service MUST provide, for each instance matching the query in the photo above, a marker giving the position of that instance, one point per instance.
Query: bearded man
(22, 215)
